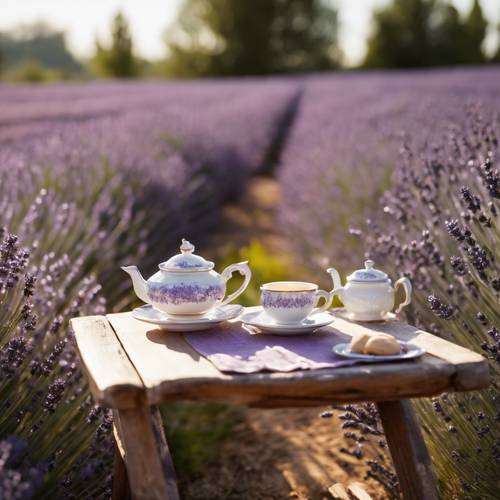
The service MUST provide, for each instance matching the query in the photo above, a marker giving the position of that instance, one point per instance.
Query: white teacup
(289, 302)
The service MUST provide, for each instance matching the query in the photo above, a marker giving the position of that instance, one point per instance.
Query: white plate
(151, 315)
(257, 318)
(412, 351)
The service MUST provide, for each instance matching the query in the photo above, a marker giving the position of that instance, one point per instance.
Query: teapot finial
(369, 264)
(186, 246)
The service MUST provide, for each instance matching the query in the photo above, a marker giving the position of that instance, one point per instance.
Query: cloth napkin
(234, 348)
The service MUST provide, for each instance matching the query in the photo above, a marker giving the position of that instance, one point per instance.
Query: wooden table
(132, 367)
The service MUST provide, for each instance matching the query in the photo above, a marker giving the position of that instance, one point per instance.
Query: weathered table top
(130, 362)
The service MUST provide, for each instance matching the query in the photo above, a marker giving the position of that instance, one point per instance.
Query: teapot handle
(406, 284)
(243, 269)
(328, 297)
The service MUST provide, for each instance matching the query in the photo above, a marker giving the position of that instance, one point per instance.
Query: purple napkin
(232, 348)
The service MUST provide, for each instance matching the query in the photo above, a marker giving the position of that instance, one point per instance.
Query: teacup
(290, 302)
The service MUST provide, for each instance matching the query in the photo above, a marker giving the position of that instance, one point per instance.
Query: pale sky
(83, 20)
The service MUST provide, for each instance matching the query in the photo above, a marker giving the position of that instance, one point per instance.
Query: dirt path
(273, 454)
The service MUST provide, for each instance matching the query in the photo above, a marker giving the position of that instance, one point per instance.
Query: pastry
(358, 342)
(382, 345)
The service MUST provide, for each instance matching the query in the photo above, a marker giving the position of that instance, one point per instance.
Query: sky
(84, 20)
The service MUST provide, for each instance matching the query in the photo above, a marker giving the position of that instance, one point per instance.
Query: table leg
(408, 451)
(121, 489)
(149, 465)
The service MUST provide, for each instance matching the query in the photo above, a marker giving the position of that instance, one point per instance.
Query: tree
(37, 42)
(118, 59)
(416, 33)
(258, 37)
(401, 36)
(496, 56)
(475, 27)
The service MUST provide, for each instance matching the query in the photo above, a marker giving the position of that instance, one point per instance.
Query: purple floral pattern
(185, 293)
(290, 301)
(186, 265)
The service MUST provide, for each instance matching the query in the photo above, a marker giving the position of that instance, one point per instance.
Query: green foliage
(238, 37)
(116, 61)
(195, 433)
(417, 33)
(32, 71)
(37, 42)
(265, 268)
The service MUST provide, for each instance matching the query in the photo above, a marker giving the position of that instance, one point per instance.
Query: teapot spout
(139, 283)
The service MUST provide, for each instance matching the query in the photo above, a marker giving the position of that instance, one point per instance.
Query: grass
(196, 433)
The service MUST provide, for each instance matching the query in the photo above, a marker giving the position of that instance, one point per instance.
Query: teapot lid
(368, 274)
(186, 261)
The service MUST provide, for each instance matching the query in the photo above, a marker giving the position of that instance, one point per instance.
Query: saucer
(151, 315)
(412, 351)
(259, 319)
(342, 313)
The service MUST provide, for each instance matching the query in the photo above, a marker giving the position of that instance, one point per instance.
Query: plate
(412, 351)
(259, 319)
(151, 315)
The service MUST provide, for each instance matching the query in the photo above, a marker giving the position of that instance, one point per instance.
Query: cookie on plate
(382, 345)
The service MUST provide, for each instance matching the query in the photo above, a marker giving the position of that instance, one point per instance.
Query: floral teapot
(368, 294)
(186, 284)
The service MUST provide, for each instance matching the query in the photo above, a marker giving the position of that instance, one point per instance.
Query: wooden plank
(408, 451)
(472, 370)
(338, 492)
(357, 492)
(113, 380)
(171, 369)
(145, 468)
(159, 356)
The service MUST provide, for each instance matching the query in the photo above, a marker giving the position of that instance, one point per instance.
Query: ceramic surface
(290, 302)
(151, 315)
(368, 294)
(412, 351)
(342, 313)
(259, 319)
(186, 284)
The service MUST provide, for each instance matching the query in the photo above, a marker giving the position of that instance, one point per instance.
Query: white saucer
(151, 315)
(412, 351)
(342, 313)
(259, 319)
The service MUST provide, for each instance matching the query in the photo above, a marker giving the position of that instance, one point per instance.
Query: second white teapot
(368, 294)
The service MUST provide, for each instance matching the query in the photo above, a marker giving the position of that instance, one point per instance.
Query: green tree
(258, 37)
(475, 27)
(37, 42)
(496, 56)
(118, 59)
(416, 33)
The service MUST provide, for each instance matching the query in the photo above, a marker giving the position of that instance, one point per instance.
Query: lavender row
(422, 139)
(84, 197)
(345, 141)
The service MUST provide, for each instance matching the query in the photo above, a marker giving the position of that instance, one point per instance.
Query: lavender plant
(88, 183)
(444, 236)
(439, 227)
(43, 401)
(344, 144)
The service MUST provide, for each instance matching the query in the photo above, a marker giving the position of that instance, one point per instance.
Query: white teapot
(368, 294)
(186, 284)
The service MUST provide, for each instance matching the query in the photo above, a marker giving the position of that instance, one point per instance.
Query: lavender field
(400, 166)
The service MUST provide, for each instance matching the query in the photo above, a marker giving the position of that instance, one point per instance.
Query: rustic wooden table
(132, 367)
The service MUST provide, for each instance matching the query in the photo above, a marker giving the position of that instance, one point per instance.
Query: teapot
(186, 284)
(368, 294)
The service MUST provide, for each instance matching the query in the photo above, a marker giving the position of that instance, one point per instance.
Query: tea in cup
(290, 302)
